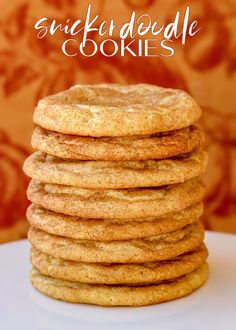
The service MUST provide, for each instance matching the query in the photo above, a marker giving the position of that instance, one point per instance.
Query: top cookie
(116, 110)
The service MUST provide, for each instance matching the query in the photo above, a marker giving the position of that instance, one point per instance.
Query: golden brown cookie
(110, 229)
(118, 273)
(106, 295)
(116, 110)
(159, 247)
(144, 147)
(126, 203)
(114, 175)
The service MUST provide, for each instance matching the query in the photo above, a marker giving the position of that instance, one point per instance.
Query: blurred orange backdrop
(31, 68)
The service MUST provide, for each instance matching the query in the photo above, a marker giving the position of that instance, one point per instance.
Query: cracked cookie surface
(116, 110)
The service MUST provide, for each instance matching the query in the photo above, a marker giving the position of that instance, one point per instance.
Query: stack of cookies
(116, 195)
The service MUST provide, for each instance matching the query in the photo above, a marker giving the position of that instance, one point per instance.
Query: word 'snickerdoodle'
(140, 36)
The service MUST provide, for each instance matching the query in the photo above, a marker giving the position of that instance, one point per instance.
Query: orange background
(31, 68)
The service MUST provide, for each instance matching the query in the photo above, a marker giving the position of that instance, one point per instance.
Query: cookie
(110, 229)
(159, 247)
(126, 203)
(116, 110)
(142, 147)
(106, 295)
(118, 273)
(114, 175)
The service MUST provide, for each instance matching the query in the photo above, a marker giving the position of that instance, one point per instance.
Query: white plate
(211, 307)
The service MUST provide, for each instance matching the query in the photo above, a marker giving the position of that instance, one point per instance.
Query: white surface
(211, 307)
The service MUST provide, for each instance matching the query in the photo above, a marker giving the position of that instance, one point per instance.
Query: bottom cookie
(106, 295)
